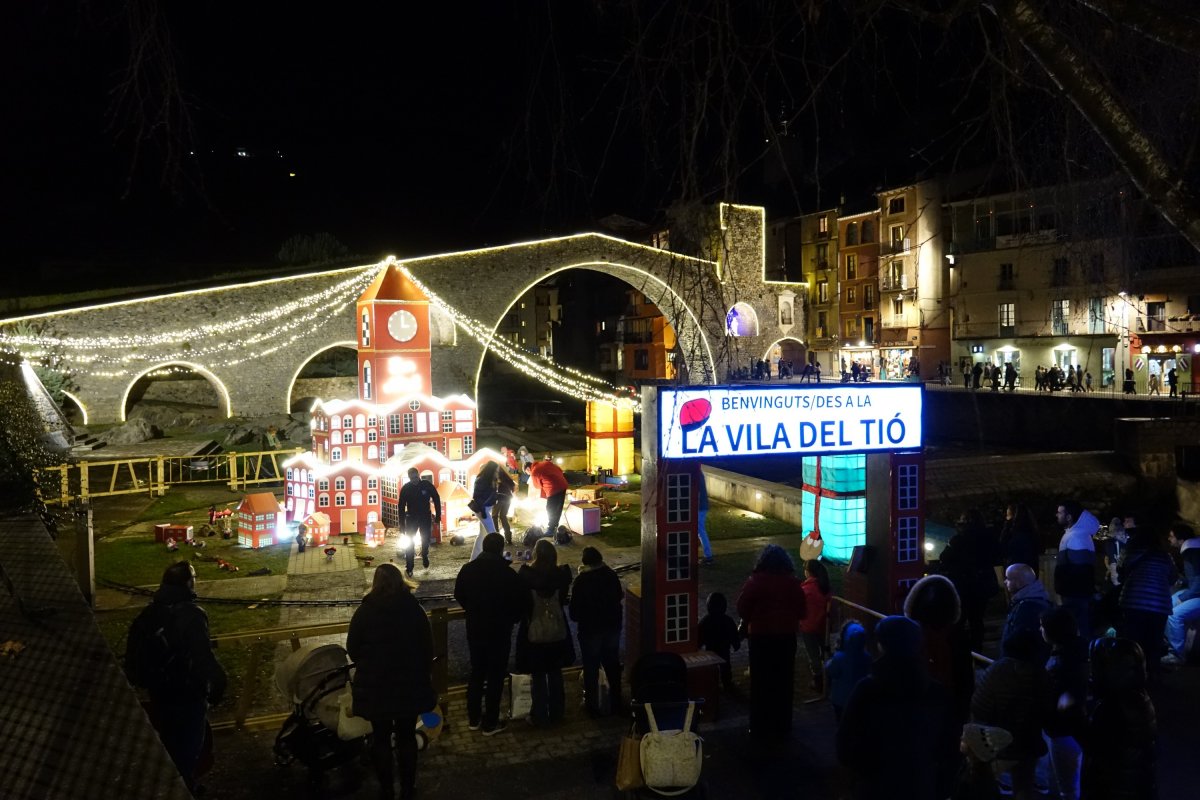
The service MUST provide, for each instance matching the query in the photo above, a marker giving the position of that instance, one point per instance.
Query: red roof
(391, 284)
(260, 503)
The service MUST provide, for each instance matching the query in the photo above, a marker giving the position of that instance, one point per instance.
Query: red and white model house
(260, 520)
(362, 448)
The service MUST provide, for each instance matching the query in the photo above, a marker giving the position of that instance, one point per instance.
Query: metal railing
(68, 483)
(839, 612)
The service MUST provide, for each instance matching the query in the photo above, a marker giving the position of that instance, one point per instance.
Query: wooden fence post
(160, 476)
(233, 472)
(249, 684)
(439, 622)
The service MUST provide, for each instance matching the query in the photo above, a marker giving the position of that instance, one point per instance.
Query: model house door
(349, 520)
(455, 449)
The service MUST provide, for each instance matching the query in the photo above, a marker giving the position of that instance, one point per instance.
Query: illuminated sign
(780, 420)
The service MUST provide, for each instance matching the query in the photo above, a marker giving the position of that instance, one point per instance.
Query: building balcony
(894, 283)
(897, 246)
(1006, 285)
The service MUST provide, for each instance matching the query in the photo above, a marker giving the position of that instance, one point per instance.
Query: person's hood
(855, 639)
(1079, 535)
(1035, 590)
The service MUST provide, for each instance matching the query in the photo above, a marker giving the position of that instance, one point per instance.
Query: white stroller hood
(301, 673)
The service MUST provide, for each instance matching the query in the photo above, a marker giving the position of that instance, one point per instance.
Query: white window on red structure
(679, 549)
(907, 529)
(323, 501)
(679, 497)
(339, 499)
(677, 618)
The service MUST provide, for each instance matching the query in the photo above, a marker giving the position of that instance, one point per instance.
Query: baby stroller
(663, 716)
(312, 678)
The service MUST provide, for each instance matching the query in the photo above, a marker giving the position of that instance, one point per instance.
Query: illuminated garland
(265, 333)
(558, 378)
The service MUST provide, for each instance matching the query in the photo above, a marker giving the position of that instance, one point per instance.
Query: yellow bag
(629, 763)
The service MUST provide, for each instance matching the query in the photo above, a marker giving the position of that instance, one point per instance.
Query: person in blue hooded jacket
(849, 665)
(1074, 569)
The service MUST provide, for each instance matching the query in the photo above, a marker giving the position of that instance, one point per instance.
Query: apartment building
(857, 328)
(530, 323)
(820, 255)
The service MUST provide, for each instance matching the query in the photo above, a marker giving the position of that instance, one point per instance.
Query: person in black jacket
(1146, 572)
(544, 661)
(896, 732)
(391, 644)
(179, 707)
(967, 562)
(596, 608)
(420, 509)
(494, 600)
(1119, 740)
(1019, 539)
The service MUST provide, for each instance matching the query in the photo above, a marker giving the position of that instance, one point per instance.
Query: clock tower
(393, 338)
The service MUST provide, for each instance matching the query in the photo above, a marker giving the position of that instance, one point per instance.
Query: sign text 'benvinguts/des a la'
(778, 420)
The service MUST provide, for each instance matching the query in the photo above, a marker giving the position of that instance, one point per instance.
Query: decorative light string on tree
(567, 381)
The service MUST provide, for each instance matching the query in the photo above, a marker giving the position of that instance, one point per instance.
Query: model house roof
(259, 503)
(392, 284)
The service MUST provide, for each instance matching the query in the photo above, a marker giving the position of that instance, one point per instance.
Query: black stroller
(660, 703)
(312, 678)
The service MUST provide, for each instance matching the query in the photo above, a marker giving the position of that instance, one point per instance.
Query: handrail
(260, 640)
(977, 657)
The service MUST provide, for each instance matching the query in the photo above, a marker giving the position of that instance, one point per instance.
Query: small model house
(166, 530)
(260, 520)
(316, 527)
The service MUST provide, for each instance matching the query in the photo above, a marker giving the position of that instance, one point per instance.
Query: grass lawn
(127, 553)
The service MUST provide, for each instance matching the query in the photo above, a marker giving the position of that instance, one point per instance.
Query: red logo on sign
(694, 413)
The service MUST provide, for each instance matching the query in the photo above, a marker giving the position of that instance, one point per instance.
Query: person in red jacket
(771, 605)
(812, 626)
(551, 484)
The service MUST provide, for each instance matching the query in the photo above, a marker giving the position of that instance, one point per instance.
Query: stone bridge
(250, 340)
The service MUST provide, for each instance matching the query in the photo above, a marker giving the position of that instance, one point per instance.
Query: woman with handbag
(391, 644)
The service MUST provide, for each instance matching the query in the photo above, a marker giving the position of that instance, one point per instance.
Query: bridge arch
(224, 403)
(348, 344)
(672, 305)
(79, 405)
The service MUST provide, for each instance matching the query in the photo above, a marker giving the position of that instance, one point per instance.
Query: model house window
(372, 435)
(447, 427)
(906, 539)
(339, 499)
(679, 548)
(1007, 314)
(372, 499)
(679, 497)
(676, 618)
(822, 291)
(372, 483)
(366, 328)
(408, 423)
(335, 422)
(851, 233)
(323, 484)
(372, 422)
(290, 491)
(896, 205)
(347, 421)
(393, 424)
(906, 487)
(323, 501)
(1060, 313)
(348, 437)
(366, 380)
(356, 499)
(339, 484)
(468, 445)
(356, 482)
(414, 405)
(447, 415)
(311, 493)
(289, 473)
(851, 267)
(335, 454)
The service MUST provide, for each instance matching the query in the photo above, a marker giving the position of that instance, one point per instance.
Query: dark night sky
(441, 128)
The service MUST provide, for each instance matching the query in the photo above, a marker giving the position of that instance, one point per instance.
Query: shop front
(865, 356)
(1157, 354)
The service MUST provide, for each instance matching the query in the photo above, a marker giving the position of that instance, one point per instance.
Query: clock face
(402, 326)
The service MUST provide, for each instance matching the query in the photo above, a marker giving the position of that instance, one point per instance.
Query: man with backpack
(170, 655)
